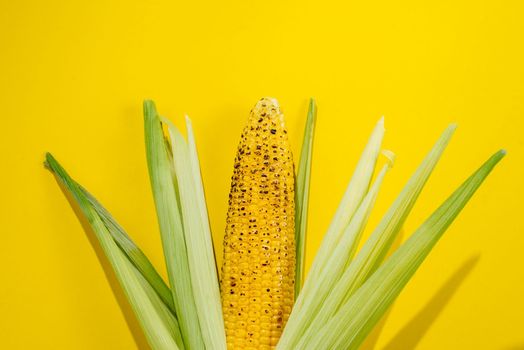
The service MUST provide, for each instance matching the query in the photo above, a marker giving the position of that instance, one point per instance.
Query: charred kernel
(258, 269)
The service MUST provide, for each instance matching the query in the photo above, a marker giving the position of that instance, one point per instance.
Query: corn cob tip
(273, 102)
(267, 109)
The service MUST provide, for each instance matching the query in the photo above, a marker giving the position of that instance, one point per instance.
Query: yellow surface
(72, 79)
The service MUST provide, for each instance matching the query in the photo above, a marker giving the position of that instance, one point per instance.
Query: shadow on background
(120, 296)
(411, 334)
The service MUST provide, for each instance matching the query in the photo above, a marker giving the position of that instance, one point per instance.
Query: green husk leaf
(356, 318)
(133, 252)
(355, 192)
(171, 228)
(340, 257)
(302, 182)
(198, 238)
(159, 325)
(379, 242)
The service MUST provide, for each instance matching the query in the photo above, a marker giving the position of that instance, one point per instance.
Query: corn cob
(258, 270)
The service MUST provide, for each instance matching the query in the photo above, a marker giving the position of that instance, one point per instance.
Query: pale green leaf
(375, 248)
(198, 238)
(171, 228)
(355, 192)
(302, 182)
(340, 257)
(133, 252)
(159, 325)
(348, 328)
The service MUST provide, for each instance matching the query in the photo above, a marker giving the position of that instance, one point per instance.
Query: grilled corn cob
(258, 271)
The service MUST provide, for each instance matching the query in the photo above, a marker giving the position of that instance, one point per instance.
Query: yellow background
(72, 78)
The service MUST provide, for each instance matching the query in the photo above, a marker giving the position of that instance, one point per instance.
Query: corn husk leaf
(171, 228)
(356, 318)
(337, 262)
(302, 182)
(355, 192)
(197, 234)
(158, 323)
(375, 248)
(133, 252)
